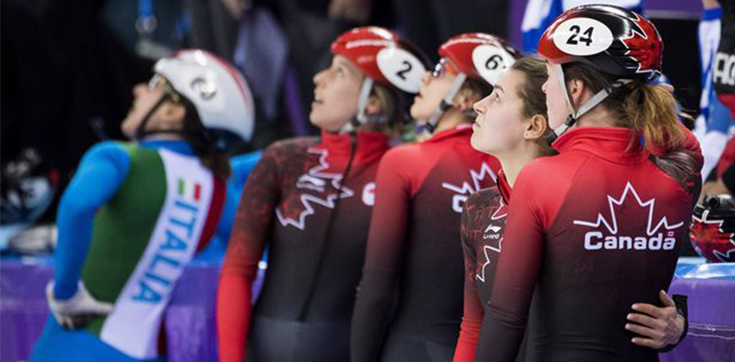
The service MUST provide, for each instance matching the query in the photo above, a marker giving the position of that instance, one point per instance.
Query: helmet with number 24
(611, 39)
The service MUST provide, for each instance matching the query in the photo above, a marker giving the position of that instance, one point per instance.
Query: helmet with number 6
(612, 39)
(713, 229)
(479, 56)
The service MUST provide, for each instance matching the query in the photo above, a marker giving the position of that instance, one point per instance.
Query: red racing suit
(414, 255)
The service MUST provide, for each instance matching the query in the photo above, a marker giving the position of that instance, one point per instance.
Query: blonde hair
(650, 110)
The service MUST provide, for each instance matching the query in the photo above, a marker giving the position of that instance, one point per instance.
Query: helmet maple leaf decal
(641, 47)
(712, 231)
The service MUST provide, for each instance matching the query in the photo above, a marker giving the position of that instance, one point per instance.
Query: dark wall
(681, 59)
(61, 69)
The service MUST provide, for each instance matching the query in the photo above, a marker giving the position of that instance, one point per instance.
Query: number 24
(585, 38)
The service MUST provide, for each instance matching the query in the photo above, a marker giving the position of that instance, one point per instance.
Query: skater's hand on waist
(657, 327)
(77, 311)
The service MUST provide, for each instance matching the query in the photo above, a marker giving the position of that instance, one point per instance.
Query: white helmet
(217, 89)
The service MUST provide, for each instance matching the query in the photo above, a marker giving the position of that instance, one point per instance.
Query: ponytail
(650, 110)
(203, 143)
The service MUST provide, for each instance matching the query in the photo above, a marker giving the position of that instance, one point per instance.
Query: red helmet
(383, 56)
(612, 39)
(479, 56)
(713, 229)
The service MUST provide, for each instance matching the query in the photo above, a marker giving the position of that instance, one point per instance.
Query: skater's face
(500, 125)
(434, 87)
(168, 116)
(336, 93)
(556, 103)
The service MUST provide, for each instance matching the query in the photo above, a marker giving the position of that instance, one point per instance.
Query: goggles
(443, 67)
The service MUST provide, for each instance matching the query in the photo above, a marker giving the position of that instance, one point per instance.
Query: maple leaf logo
(612, 225)
(710, 241)
(644, 50)
(473, 185)
(468, 188)
(500, 213)
(319, 181)
(728, 257)
(486, 250)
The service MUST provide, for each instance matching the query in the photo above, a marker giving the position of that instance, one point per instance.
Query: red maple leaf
(711, 241)
(643, 49)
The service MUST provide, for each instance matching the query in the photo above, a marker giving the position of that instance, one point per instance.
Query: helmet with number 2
(383, 56)
(479, 56)
(612, 39)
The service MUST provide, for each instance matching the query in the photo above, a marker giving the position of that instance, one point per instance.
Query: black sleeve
(681, 308)
(684, 167)
(372, 315)
(712, 175)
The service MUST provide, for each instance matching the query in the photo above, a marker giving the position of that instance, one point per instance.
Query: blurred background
(68, 67)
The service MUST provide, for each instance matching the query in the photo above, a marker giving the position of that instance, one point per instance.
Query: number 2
(573, 38)
(402, 73)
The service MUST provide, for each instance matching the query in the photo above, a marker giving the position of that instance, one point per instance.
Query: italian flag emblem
(189, 189)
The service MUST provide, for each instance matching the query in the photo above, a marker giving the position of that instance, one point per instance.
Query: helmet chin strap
(140, 132)
(584, 108)
(362, 118)
(446, 103)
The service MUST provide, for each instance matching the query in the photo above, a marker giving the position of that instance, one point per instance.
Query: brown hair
(533, 97)
(390, 102)
(474, 88)
(203, 143)
(478, 87)
(395, 105)
(650, 110)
